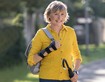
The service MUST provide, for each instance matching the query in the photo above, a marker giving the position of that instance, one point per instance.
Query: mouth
(58, 21)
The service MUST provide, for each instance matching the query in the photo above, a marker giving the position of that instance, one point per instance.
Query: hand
(53, 46)
(57, 44)
(74, 78)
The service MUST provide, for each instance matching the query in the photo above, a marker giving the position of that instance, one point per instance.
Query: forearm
(38, 58)
(43, 53)
(33, 59)
(77, 64)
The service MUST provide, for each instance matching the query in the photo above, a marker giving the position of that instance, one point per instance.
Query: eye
(62, 13)
(56, 14)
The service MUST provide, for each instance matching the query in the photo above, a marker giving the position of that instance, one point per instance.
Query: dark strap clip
(71, 74)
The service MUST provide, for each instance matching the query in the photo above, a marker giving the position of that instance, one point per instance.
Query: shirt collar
(63, 28)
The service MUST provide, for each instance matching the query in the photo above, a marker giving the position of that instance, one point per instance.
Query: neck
(56, 28)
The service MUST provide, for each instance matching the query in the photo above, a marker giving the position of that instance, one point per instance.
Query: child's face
(57, 18)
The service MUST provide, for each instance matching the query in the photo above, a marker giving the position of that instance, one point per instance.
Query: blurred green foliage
(11, 45)
(95, 53)
(98, 7)
(18, 20)
(76, 8)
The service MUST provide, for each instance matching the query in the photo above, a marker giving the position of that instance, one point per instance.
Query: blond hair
(53, 7)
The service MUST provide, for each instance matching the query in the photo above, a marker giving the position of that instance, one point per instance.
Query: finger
(74, 78)
(57, 44)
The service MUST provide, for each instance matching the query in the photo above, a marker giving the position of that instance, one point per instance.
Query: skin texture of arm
(76, 67)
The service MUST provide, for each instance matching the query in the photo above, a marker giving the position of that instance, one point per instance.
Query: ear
(49, 19)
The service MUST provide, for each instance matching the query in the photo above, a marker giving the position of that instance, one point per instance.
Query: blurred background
(20, 19)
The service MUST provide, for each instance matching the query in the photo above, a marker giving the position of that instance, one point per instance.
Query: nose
(59, 16)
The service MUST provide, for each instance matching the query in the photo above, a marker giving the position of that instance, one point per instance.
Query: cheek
(64, 17)
(53, 18)
(50, 17)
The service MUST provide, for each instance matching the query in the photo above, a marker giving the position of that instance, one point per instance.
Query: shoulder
(70, 29)
(39, 32)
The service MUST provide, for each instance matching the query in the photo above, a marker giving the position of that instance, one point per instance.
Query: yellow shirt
(51, 65)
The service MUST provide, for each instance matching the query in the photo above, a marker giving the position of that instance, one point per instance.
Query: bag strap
(65, 62)
(71, 74)
(48, 33)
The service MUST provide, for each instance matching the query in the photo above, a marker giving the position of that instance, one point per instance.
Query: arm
(38, 58)
(77, 64)
(35, 58)
(76, 53)
(77, 58)
(43, 53)
(75, 70)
